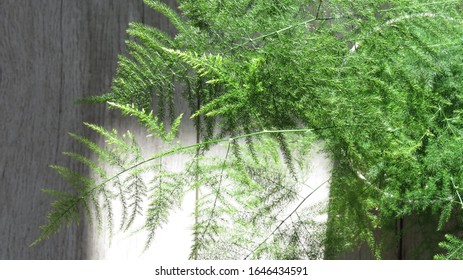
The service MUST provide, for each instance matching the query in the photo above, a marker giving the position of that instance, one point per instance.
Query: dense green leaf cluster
(454, 248)
(379, 82)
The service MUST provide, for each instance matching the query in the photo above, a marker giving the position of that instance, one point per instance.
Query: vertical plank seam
(61, 87)
(143, 13)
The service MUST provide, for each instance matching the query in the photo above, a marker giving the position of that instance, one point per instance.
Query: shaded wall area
(52, 52)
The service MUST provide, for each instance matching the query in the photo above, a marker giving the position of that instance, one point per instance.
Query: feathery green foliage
(379, 82)
(453, 246)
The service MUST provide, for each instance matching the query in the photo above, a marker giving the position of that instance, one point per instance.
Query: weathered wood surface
(52, 52)
(43, 62)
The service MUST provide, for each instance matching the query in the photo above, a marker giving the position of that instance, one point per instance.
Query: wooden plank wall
(52, 52)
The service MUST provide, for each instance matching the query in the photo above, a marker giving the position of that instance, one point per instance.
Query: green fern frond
(65, 212)
(149, 121)
(107, 208)
(149, 35)
(173, 17)
(165, 196)
(75, 179)
(204, 64)
(111, 137)
(228, 103)
(379, 84)
(104, 155)
(103, 98)
(453, 246)
(135, 193)
(94, 167)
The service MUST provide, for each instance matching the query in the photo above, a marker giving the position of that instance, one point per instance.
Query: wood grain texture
(51, 53)
(36, 110)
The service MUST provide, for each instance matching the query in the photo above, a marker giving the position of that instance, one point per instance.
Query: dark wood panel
(35, 117)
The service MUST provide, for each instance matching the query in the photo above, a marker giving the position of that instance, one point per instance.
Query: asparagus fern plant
(379, 82)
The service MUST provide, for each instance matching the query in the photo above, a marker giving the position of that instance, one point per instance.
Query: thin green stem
(85, 194)
(217, 192)
(287, 217)
(198, 145)
(261, 37)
